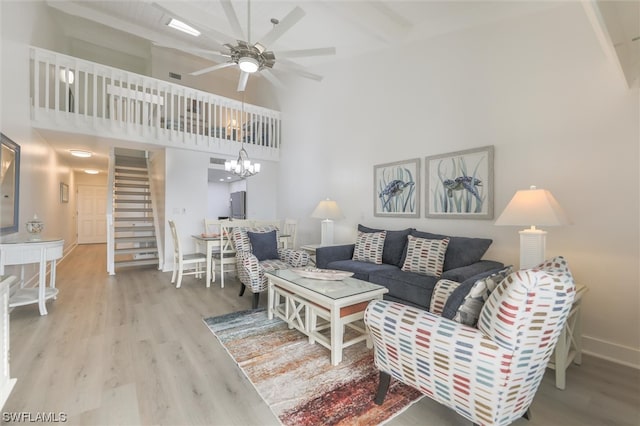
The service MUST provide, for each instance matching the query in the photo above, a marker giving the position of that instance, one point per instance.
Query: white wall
(218, 200)
(540, 90)
(186, 189)
(41, 170)
(262, 192)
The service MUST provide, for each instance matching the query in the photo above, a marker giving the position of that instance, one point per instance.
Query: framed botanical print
(396, 189)
(460, 184)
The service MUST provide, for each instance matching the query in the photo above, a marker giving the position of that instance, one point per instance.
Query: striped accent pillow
(425, 256)
(441, 293)
(369, 246)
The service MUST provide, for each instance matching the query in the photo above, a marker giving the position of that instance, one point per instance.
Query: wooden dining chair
(185, 264)
(290, 229)
(225, 253)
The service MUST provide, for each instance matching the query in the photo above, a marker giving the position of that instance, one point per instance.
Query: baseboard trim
(610, 351)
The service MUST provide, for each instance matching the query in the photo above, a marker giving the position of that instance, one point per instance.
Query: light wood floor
(131, 349)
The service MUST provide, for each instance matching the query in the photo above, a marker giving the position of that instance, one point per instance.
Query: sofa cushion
(369, 246)
(361, 270)
(264, 245)
(462, 251)
(408, 287)
(459, 295)
(425, 256)
(395, 245)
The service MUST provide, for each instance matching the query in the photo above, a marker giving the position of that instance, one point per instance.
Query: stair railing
(154, 213)
(111, 270)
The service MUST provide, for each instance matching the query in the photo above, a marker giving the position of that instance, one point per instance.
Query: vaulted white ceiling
(353, 27)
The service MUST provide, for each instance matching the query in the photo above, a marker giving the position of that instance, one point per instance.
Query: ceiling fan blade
(321, 51)
(271, 78)
(289, 66)
(285, 24)
(206, 53)
(213, 68)
(233, 18)
(242, 83)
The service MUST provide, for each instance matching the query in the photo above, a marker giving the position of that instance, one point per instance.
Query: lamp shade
(327, 209)
(533, 207)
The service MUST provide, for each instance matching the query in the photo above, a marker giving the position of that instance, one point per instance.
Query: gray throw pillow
(469, 311)
(264, 245)
(457, 296)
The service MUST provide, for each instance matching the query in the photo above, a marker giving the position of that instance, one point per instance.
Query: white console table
(6, 382)
(22, 251)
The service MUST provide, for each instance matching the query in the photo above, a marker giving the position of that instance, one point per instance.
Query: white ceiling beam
(373, 17)
(89, 13)
(600, 29)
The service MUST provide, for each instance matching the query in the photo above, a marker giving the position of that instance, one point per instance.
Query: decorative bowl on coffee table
(322, 274)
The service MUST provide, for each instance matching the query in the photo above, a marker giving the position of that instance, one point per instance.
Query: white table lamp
(327, 210)
(533, 207)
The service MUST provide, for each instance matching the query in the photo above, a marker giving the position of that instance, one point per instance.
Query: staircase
(135, 243)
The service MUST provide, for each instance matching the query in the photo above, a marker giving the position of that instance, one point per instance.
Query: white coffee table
(301, 302)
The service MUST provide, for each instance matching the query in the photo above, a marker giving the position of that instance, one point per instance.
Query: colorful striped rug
(297, 380)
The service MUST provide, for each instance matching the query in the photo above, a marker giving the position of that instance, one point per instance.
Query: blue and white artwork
(460, 184)
(396, 189)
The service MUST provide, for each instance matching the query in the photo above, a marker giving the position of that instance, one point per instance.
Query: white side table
(311, 249)
(569, 346)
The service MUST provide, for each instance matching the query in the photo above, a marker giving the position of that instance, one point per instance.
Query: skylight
(181, 26)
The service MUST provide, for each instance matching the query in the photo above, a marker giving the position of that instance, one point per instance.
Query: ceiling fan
(252, 57)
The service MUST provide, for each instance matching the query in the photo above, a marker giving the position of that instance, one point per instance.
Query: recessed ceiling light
(91, 171)
(80, 153)
(181, 26)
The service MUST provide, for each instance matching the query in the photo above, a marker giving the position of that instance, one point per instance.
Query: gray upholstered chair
(257, 251)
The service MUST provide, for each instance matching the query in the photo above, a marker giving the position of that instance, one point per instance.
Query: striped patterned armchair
(489, 374)
(251, 270)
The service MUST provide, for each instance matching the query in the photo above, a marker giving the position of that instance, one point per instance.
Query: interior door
(92, 219)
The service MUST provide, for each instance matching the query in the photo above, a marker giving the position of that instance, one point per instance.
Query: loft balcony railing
(80, 96)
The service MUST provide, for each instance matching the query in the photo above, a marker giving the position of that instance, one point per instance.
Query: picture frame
(396, 189)
(9, 185)
(459, 185)
(64, 192)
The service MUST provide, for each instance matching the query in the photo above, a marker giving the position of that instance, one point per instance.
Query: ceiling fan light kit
(248, 64)
(252, 57)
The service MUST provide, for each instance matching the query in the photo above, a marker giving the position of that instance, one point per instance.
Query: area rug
(296, 378)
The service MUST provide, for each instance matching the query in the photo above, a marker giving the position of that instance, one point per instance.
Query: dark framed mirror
(9, 185)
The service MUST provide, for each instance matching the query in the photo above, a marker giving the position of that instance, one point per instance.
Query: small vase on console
(34, 228)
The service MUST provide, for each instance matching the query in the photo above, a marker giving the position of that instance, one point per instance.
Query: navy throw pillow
(264, 245)
(395, 245)
(457, 296)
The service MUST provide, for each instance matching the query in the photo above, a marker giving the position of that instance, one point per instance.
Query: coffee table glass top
(332, 289)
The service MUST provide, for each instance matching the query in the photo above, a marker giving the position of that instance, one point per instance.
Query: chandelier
(242, 167)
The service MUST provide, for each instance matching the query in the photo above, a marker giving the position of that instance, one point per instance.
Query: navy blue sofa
(462, 262)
